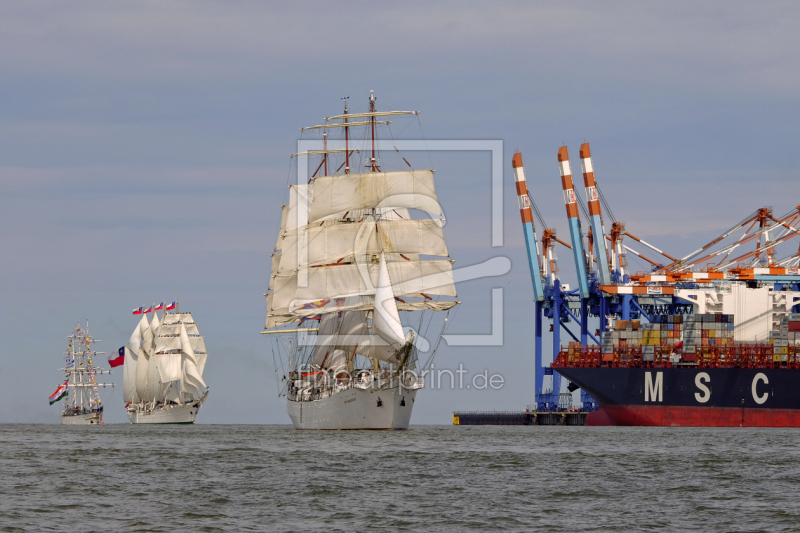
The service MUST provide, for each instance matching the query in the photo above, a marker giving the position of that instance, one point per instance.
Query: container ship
(704, 378)
(708, 339)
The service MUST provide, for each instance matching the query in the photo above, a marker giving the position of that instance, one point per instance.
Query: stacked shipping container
(787, 335)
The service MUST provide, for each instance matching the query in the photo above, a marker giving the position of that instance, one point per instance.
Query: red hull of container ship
(684, 416)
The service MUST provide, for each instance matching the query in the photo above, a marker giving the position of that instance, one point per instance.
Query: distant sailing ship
(164, 360)
(82, 404)
(348, 257)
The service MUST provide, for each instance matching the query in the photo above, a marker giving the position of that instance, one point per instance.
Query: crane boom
(527, 227)
(570, 199)
(595, 215)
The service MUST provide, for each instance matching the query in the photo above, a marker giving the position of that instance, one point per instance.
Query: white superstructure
(348, 260)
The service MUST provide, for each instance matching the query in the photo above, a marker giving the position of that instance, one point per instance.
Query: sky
(144, 154)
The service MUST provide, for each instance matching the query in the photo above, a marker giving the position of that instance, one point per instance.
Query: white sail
(337, 333)
(142, 370)
(337, 360)
(350, 334)
(409, 278)
(282, 231)
(377, 348)
(198, 344)
(385, 318)
(135, 342)
(129, 367)
(300, 197)
(192, 383)
(201, 362)
(275, 318)
(336, 195)
(154, 384)
(337, 241)
(169, 366)
(154, 326)
(276, 261)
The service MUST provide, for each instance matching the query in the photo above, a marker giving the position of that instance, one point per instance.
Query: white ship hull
(355, 408)
(166, 414)
(84, 419)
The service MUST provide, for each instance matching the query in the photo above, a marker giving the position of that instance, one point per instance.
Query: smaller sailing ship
(82, 404)
(164, 360)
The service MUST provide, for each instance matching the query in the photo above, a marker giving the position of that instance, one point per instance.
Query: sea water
(428, 478)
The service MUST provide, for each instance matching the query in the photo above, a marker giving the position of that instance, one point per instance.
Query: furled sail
(336, 195)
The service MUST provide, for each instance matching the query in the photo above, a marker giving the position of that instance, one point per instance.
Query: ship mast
(372, 124)
(81, 372)
(346, 141)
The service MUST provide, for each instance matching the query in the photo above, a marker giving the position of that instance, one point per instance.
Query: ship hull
(691, 396)
(85, 419)
(355, 408)
(170, 414)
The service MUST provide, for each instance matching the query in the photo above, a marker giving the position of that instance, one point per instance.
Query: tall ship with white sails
(82, 404)
(349, 259)
(163, 369)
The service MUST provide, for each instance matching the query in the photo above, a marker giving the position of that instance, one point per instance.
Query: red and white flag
(150, 310)
(171, 306)
(117, 358)
(138, 311)
(159, 306)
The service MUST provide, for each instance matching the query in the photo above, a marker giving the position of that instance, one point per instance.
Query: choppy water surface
(273, 478)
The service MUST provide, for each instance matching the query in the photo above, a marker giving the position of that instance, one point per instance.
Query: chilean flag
(171, 306)
(117, 358)
(159, 306)
(138, 311)
(148, 310)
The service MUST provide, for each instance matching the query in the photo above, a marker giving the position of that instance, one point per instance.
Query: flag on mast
(171, 306)
(159, 307)
(138, 311)
(60, 392)
(150, 310)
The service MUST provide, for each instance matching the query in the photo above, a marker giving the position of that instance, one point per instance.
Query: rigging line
(605, 204)
(275, 366)
(435, 350)
(424, 140)
(288, 179)
(394, 140)
(538, 214)
(581, 205)
(404, 128)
